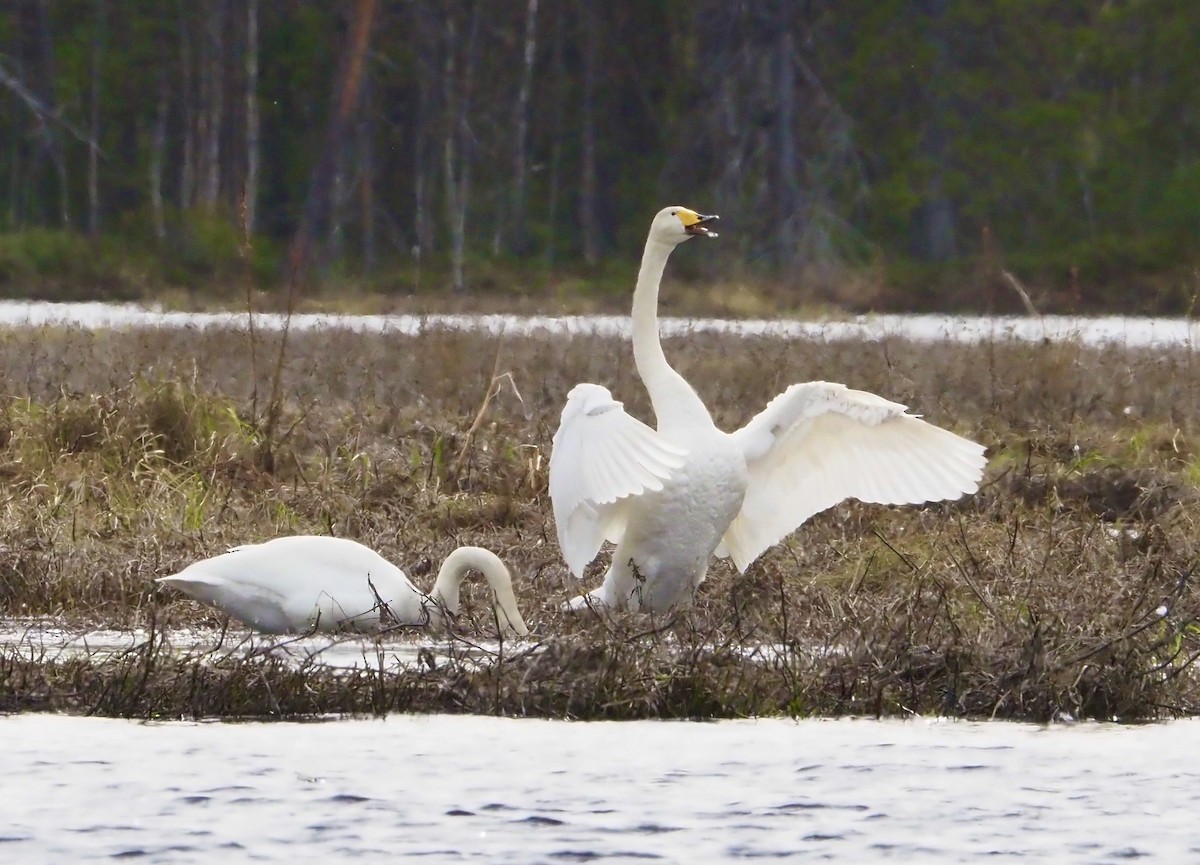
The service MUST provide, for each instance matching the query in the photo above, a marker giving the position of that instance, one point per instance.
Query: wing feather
(820, 443)
(601, 458)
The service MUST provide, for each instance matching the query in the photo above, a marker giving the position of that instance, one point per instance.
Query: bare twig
(43, 112)
(1021, 292)
(494, 387)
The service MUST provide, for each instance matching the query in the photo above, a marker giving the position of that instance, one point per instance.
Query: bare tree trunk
(14, 179)
(250, 188)
(723, 64)
(214, 104)
(458, 138)
(589, 220)
(53, 144)
(366, 182)
(203, 101)
(520, 234)
(187, 162)
(448, 156)
(93, 179)
(1088, 199)
(787, 189)
(335, 229)
(158, 152)
(938, 230)
(559, 72)
(345, 101)
(422, 163)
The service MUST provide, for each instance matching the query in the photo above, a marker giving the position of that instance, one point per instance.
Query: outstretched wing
(819, 443)
(601, 458)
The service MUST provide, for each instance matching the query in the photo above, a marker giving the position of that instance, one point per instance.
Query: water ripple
(504, 791)
(538, 820)
(348, 797)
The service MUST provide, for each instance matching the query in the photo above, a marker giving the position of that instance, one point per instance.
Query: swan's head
(676, 224)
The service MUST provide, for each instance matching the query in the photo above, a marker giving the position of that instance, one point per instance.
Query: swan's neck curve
(454, 570)
(674, 400)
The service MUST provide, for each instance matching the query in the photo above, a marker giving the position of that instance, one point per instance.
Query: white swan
(669, 499)
(309, 582)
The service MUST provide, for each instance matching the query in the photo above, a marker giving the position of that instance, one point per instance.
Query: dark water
(452, 789)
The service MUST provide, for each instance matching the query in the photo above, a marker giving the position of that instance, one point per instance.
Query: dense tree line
(1061, 137)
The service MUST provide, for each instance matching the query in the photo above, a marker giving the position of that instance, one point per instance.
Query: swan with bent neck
(672, 497)
(305, 583)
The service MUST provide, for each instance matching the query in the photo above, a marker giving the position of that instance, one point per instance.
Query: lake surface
(454, 789)
(1118, 330)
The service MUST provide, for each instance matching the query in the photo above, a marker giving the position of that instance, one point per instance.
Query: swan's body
(670, 498)
(313, 583)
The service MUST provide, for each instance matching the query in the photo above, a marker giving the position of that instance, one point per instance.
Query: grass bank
(202, 262)
(1063, 588)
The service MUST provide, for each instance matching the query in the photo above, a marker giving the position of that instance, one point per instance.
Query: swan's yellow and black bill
(695, 223)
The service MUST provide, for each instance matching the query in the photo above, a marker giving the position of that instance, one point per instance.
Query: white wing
(819, 443)
(601, 458)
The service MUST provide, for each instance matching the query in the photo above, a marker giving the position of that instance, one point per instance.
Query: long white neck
(674, 400)
(465, 559)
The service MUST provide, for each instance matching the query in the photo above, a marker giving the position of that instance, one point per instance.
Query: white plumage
(314, 583)
(615, 457)
(670, 498)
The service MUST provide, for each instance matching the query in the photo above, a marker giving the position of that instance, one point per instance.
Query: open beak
(700, 226)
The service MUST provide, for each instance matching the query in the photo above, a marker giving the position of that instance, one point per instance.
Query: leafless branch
(42, 111)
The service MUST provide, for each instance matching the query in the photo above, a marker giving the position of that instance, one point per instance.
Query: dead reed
(1063, 588)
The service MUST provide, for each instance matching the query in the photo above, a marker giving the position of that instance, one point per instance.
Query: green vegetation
(126, 455)
(869, 154)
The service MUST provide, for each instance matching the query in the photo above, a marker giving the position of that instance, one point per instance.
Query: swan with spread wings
(672, 497)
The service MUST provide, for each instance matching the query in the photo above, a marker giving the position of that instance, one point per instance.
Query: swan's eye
(674, 213)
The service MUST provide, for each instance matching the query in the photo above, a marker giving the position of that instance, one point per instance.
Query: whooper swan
(670, 499)
(308, 582)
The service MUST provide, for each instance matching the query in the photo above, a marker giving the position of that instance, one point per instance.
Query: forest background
(864, 154)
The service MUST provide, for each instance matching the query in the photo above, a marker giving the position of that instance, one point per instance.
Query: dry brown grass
(126, 455)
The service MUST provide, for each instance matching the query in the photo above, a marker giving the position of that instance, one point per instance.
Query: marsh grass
(1064, 588)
